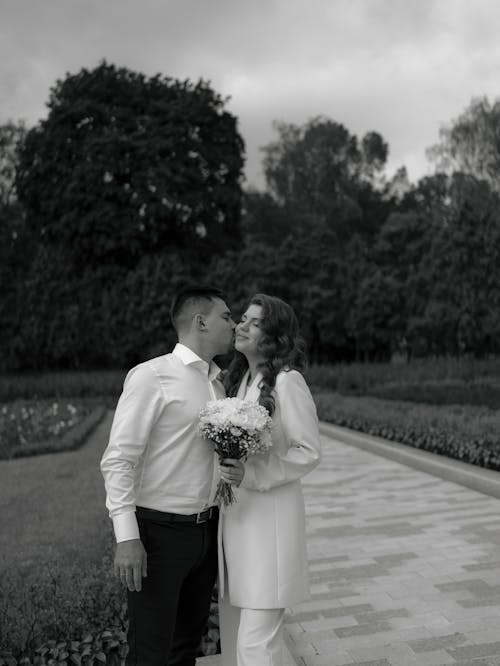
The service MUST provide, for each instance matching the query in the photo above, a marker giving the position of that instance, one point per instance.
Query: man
(159, 478)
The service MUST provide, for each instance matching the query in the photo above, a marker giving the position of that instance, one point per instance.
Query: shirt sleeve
(138, 409)
(299, 422)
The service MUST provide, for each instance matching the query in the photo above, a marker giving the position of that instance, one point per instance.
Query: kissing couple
(161, 477)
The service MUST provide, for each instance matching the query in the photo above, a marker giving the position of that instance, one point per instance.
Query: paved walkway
(405, 567)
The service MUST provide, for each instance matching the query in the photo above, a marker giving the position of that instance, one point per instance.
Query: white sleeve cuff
(126, 527)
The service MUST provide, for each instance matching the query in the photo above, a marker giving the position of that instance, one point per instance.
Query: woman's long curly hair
(281, 346)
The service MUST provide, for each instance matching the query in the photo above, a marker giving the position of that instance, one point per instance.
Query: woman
(263, 567)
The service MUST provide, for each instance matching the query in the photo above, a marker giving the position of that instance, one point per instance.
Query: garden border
(71, 440)
(477, 478)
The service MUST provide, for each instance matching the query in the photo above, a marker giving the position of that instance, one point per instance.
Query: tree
(399, 185)
(408, 247)
(125, 165)
(16, 246)
(430, 198)
(401, 246)
(321, 170)
(124, 187)
(374, 316)
(304, 271)
(264, 219)
(108, 317)
(12, 136)
(471, 143)
(463, 311)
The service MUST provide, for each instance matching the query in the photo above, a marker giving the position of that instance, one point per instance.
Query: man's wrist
(125, 527)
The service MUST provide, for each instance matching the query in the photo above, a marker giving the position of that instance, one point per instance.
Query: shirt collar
(188, 357)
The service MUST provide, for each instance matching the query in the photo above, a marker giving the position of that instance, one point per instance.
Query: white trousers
(251, 637)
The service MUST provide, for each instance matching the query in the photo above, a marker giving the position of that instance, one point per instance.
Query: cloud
(400, 68)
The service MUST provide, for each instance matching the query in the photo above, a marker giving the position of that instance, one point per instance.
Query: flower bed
(463, 432)
(58, 611)
(71, 615)
(41, 426)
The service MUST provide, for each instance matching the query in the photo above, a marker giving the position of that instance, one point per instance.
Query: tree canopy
(471, 143)
(125, 165)
(320, 170)
(132, 187)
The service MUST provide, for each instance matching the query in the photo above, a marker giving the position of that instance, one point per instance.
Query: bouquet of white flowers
(238, 428)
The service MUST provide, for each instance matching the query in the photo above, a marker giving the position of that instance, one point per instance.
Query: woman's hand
(232, 471)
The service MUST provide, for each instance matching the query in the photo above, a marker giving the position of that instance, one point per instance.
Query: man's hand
(131, 563)
(232, 471)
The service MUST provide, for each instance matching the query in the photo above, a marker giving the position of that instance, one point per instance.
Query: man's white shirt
(155, 457)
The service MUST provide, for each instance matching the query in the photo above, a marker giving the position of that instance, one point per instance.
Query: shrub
(32, 428)
(58, 385)
(469, 434)
(66, 615)
(450, 392)
(58, 602)
(360, 378)
(106, 647)
(210, 641)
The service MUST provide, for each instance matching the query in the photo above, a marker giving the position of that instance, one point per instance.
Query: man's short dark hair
(188, 296)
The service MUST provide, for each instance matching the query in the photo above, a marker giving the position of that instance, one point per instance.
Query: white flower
(238, 427)
(242, 419)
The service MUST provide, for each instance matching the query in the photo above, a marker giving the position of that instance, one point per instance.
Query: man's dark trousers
(168, 616)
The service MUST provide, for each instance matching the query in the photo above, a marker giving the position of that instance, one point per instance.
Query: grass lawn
(52, 506)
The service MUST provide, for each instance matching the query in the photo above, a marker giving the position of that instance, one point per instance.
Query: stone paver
(405, 567)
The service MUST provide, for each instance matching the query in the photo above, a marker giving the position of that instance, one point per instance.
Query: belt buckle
(207, 516)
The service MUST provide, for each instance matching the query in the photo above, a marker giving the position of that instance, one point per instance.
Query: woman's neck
(253, 367)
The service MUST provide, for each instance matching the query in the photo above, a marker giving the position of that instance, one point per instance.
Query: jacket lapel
(243, 385)
(253, 391)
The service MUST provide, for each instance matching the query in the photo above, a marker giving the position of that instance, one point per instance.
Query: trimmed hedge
(103, 384)
(428, 434)
(452, 392)
(69, 441)
(361, 378)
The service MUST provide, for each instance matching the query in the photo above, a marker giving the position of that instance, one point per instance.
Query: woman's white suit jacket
(262, 541)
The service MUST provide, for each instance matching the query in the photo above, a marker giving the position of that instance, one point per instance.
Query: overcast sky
(400, 67)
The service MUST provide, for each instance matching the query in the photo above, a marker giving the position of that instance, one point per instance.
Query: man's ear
(200, 322)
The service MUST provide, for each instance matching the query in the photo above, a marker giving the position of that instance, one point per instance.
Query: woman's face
(248, 332)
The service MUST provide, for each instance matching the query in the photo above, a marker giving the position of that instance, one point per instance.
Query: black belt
(162, 516)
